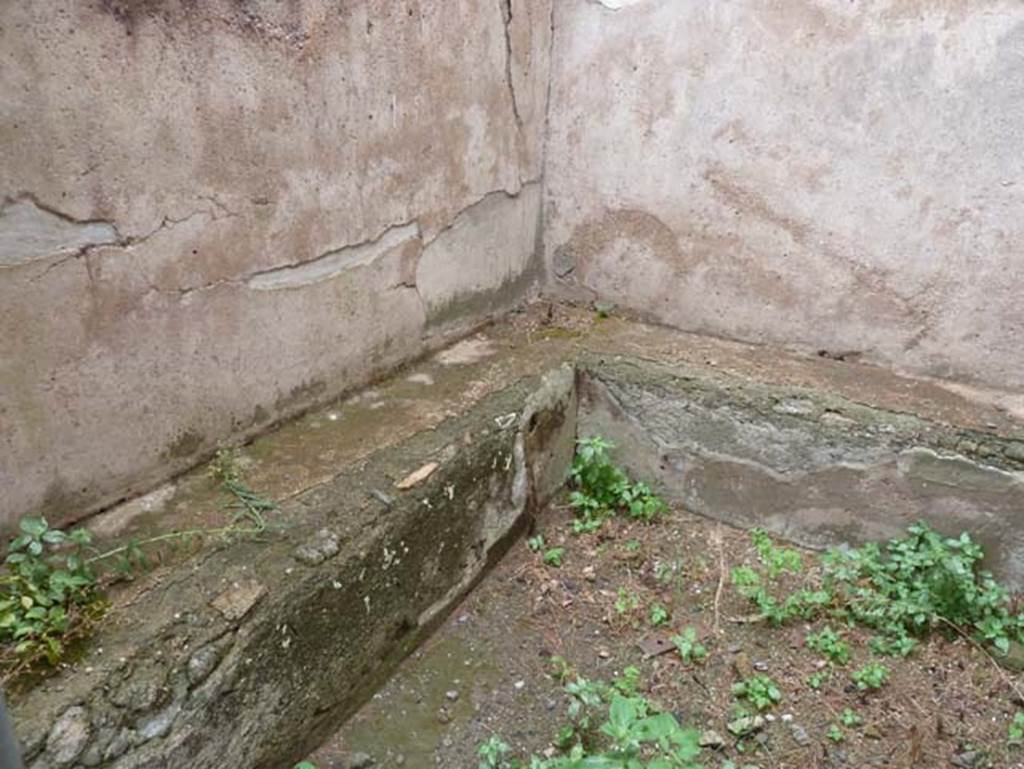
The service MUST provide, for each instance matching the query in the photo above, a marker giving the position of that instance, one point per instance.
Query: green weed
(690, 649)
(871, 676)
(759, 690)
(601, 489)
(849, 718)
(659, 615)
(492, 754)
(611, 727)
(50, 580)
(1015, 734)
(828, 643)
(554, 557)
(920, 583)
(48, 591)
(626, 602)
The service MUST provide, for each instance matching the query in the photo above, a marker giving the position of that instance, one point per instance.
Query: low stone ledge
(251, 652)
(815, 467)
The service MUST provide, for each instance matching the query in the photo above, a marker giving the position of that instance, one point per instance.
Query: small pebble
(800, 735)
(519, 684)
(451, 695)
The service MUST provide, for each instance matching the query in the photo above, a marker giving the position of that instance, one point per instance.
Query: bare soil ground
(489, 669)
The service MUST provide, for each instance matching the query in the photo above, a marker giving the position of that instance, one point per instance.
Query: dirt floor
(489, 669)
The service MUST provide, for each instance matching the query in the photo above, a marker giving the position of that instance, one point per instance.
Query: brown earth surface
(489, 670)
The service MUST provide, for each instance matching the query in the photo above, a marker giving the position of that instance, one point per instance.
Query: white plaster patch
(466, 351)
(421, 378)
(29, 233)
(615, 5)
(333, 263)
(117, 519)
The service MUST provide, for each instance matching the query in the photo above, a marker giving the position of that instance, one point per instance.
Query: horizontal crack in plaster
(331, 263)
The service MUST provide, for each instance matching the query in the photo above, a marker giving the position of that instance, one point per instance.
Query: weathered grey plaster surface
(821, 173)
(818, 469)
(214, 214)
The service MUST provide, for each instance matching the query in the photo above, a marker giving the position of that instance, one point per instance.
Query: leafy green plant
(248, 505)
(835, 734)
(803, 604)
(910, 587)
(849, 717)
(659, 615)
(817, 680)
(611, 727)
(759, 690)
(690, 649)
(776, 560)
(50, 581)
(601, 488)
(919, 583)
(48, 591)
(627, 684)
(626, 601)
(536, 544)
(560, 668)
(666, 571)
(492, 753)
(871, 676)
(554, 556)
(829, 644)
(1015, 734)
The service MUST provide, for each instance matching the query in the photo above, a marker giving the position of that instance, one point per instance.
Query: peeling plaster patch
(334, 262)
(466, 351)
(453, 266)
(29, 232)
(957, 472)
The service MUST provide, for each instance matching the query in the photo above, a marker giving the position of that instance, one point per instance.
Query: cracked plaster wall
(833, 175)
(214, 214)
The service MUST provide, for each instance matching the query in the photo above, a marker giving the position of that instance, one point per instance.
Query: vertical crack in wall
(545, 141)
(506, 18)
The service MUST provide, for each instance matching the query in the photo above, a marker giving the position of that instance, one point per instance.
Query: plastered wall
(213, 214)
(832, 175)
